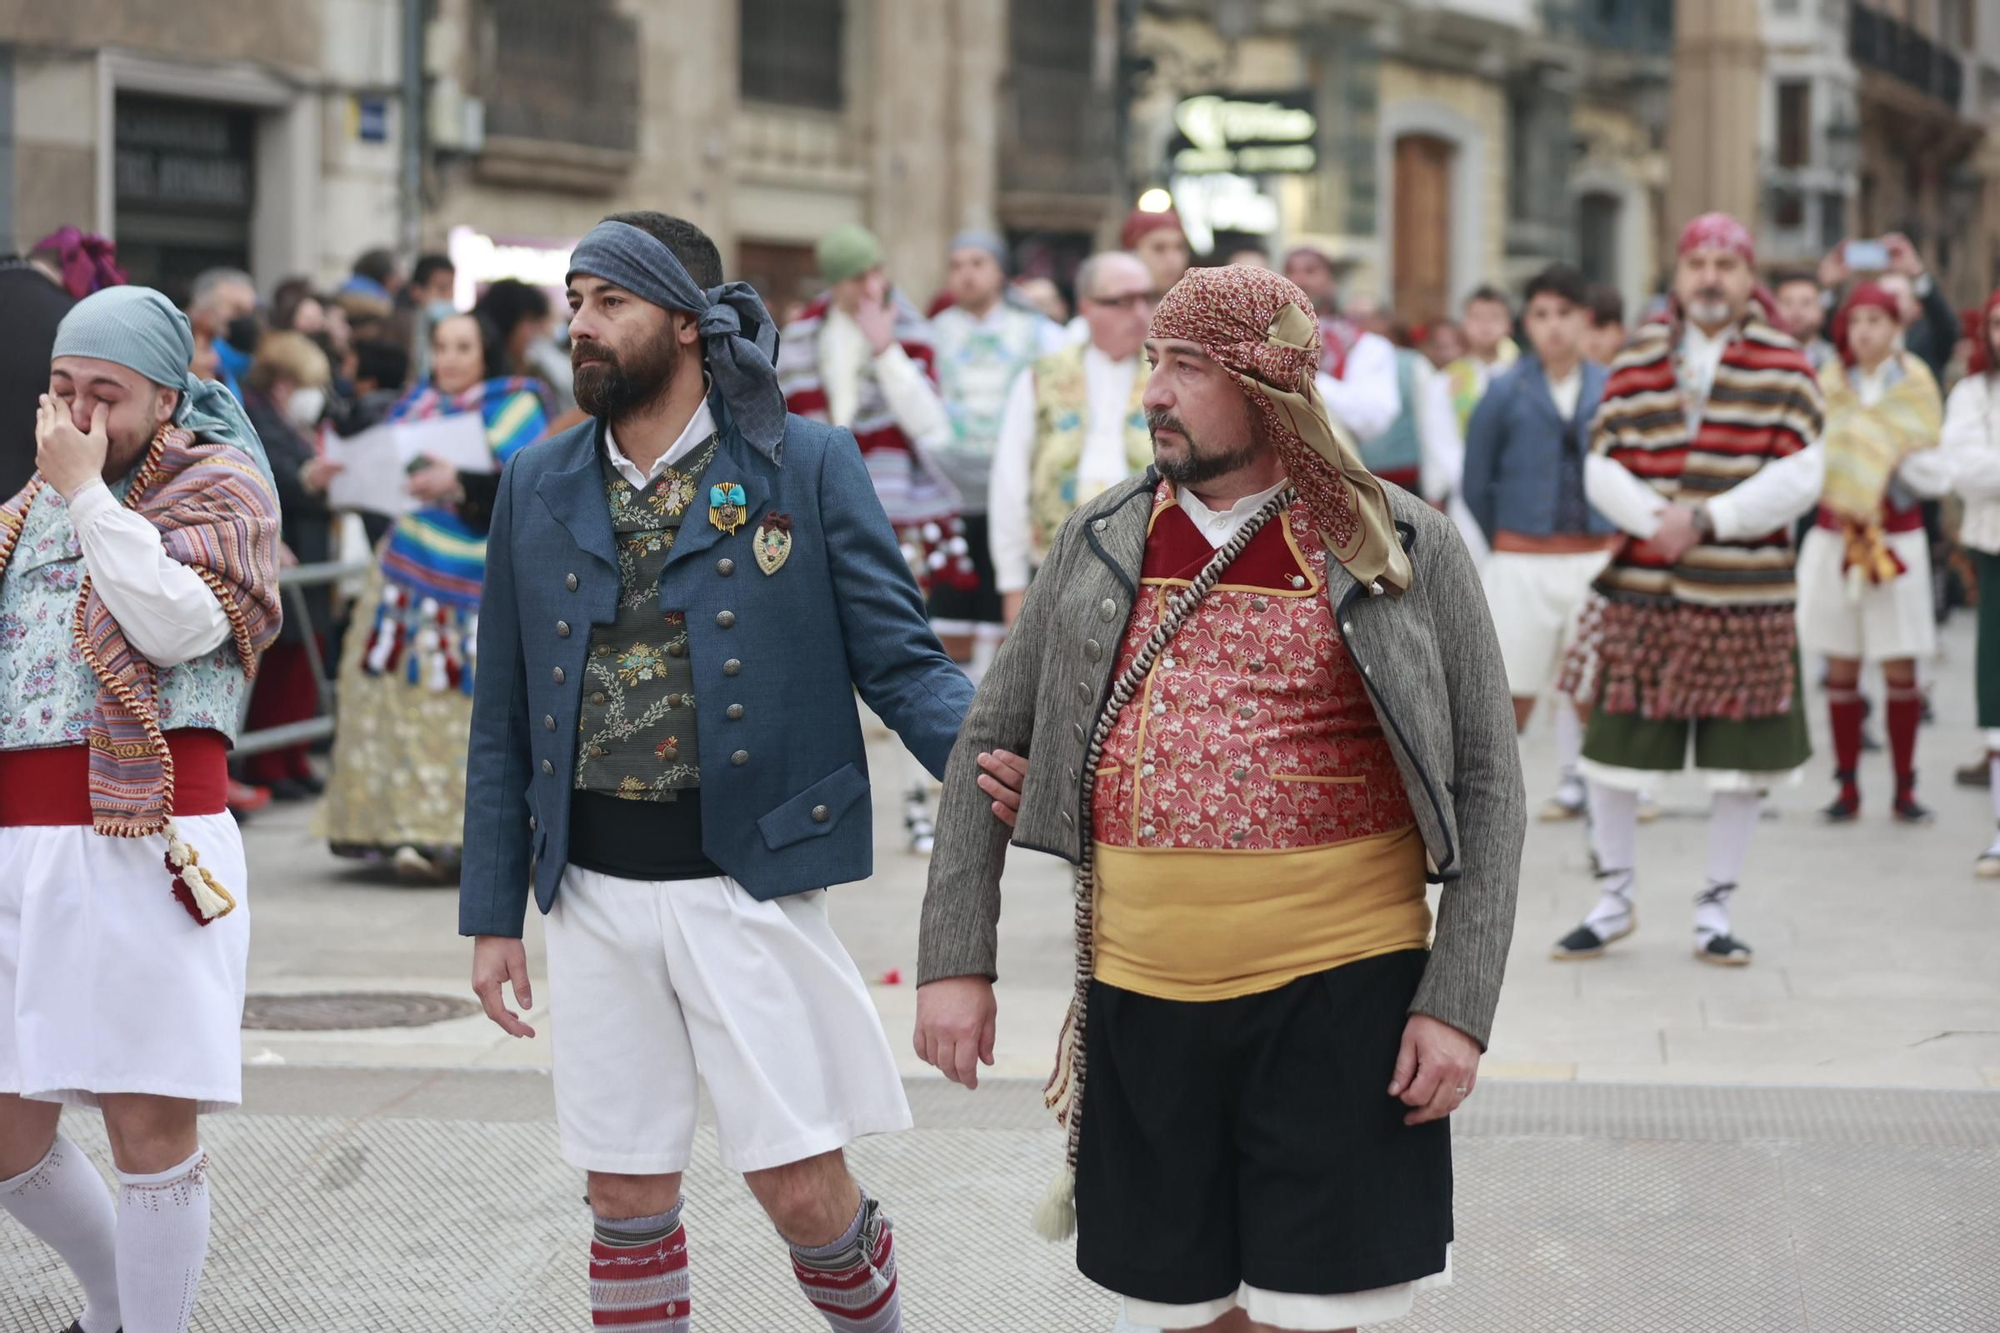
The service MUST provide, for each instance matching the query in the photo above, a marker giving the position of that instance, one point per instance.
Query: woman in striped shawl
(398, 786)
(1703, 453)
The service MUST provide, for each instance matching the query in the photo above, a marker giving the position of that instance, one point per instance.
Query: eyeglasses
(1132, 301)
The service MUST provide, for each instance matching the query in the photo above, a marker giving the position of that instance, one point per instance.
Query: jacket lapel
(575, 496)
(735, 463)
(1116, 529)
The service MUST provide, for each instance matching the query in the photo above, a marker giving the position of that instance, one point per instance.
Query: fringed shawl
(1865, 446)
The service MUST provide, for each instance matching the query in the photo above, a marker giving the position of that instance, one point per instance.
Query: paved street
(1850, 1179)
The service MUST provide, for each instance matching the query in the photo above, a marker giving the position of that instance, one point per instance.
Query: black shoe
(1979, 774)
(1843, 811)
(314, 784)
(1724, 951)
(1909, 812)
(290, 789)
(1585, 943)
(77, 1327)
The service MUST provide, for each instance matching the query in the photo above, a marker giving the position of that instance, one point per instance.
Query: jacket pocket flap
(815, 811)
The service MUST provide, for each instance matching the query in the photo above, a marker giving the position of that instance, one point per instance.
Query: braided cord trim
(1065, 1086)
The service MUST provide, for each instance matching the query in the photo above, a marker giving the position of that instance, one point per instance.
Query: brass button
(1367, 670)
(673, 701)
(1146, 770)
(597, 752)
(1145, 830)
(1298, 580)
(821, 814)
(1092, 650)
(1083, 695)
(1167, 663)
(740, 758)
(1159, 710)
(1099, 526)
(549, 722)
(569, 581)
(558, 673)
(677, 650)
(670, 752)
(1241, 774)
(725, 567)
(1259, 605)
(1107, 609)
(725, 619)
(1347, 628)
(731, 667)
(1076, 730)
(548, 767)
(601, 650)
(1246, 712)
(734, 712)
(598, 698)
(562, 629)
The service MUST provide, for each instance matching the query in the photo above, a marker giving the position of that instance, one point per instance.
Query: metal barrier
(292, 584)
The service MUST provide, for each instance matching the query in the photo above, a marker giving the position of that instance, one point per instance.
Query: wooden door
(1422, 228)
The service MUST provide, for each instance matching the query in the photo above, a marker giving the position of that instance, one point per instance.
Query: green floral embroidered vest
(1062, 406)
(635, 734)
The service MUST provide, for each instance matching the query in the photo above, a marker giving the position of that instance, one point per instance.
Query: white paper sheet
(375, 463)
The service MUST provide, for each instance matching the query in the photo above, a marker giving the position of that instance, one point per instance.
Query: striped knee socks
(852, 1279)
(639, 1274)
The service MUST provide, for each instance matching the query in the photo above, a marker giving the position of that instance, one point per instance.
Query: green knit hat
(847, 252)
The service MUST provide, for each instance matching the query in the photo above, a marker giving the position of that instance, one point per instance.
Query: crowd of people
(946, 508)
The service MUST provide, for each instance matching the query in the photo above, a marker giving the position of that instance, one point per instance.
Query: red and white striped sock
(639, 1274)
(852, 1279)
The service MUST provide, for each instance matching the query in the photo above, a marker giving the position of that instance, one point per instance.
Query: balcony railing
(1636, 27)
(563, 75)
(1879, 42)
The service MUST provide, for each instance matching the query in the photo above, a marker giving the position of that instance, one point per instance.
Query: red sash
(51, 785)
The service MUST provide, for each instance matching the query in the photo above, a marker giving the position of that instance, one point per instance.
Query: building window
(567, 75)
(1794, 123)
(1832, 219)
(1788, 208)
(791, 52)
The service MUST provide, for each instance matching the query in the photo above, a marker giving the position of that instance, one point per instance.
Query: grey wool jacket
(1432, 664)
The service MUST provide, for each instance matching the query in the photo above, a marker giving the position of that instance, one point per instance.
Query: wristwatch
(1704, 522)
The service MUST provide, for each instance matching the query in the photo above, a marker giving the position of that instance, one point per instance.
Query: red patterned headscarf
(1718, 231)
(1261, 328)
(1982, 341)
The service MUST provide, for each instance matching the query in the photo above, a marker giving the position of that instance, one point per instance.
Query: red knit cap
(1864, 294)
(1140, 223)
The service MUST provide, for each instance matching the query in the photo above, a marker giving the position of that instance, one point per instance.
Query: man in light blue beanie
(138, 574)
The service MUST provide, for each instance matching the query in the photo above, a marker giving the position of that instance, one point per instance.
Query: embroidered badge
(726, 505)
(774, 542)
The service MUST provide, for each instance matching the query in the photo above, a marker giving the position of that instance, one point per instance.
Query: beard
(610, 386)
(1710, 306)
(1200, 463)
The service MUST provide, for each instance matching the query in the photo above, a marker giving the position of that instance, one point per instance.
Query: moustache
(584, 354)
(1159, 419)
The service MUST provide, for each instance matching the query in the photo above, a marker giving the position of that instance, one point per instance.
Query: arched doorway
(1422, 222)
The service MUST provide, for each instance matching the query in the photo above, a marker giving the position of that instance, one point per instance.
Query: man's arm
(493, 882)
(1007, 499)
(1367, 400)
(1484, 436)
(164, 608)
(1771, 497)
(893, 655)
(1475, 923)
(1443, 446)
(1621, 497)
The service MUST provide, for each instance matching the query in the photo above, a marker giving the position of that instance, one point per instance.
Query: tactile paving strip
(1581, 1209)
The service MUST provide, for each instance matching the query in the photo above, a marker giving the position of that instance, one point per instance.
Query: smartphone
(1866, 256)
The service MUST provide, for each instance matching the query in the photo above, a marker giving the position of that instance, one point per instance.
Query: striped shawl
(217, 516)
(1711, 634)
(1864, 447)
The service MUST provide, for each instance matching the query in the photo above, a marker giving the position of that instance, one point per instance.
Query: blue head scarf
(138, 328)
(737, 332)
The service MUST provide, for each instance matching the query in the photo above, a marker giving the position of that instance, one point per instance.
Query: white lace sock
(1614, 833)
(1732, 820)
(1993, 770)
(1569, 741)
(162, 1241)
(62, 1200)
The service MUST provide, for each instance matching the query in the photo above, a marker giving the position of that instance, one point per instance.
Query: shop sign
(182, 154)
(1250, 135)
(481, 260)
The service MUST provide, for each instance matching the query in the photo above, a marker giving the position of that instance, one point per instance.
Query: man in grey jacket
(1303, 717)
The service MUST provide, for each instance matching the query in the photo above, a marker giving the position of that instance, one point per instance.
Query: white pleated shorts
(1536, 601)
(1885, 622)
(107, 985)
(654, 985)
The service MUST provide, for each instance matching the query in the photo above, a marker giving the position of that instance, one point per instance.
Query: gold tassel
(1055, 1215)
(211, 901)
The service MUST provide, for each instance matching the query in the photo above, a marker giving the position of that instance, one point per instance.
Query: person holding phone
(1930, 325)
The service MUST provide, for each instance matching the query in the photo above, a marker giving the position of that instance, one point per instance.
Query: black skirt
(1254, 1141)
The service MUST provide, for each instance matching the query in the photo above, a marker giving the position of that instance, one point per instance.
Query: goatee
(607, 386)
(1197, 466)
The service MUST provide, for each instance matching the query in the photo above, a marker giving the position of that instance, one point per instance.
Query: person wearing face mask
(406, 671)
(223, 312)
(284, 395)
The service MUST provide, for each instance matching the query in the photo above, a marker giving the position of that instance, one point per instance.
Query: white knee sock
(1614, 833)
(1569, 740)
(162, 1241)
(1993, 773)
(63, 1201)
(1732, 819)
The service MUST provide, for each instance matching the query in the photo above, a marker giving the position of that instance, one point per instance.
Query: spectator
(1930, 325)
(1358, 375)
(430, 299)
(1489, 350)
(1802, 313)
(1444, 343)
(521, 314)
(294, 306)
(35, 301)
(1249, 256)
(80, 262)
(222, 307)
(433, 280)
(283, 395)
(1160, 243)
(375, 276)
(1605, 336)
(1045, 296)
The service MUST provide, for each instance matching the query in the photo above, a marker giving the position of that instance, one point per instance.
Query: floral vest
(635, 728)
(1062, 409)
(48, 696)
(977, 361)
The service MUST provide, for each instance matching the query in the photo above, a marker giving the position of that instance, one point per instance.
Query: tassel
(194, 887)
(1055, 1215)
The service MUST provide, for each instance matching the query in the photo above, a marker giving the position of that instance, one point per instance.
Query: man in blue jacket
(683, 596)
(1524, 458)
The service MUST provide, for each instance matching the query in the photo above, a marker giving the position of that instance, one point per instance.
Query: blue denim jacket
(784, 779)
(1515, 450)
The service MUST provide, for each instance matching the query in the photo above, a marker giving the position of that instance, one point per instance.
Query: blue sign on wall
(371, 116)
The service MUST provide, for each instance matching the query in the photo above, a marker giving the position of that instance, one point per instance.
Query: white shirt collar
(1219, 526)
(695, 434)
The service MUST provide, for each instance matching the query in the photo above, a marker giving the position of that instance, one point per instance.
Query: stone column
(1714, 132)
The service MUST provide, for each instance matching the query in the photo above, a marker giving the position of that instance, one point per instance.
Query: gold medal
(726, 506)
(773, 542)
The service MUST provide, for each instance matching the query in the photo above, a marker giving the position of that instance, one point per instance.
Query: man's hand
(956, 1021)
(1010, 607)
(1903, 256)
(1833, 270)
(1006, 774)
(497, 959)
(1436, 1070)
(68, 459)
(876, 316)
(1678, 533)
